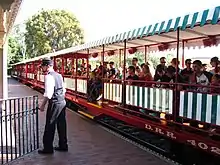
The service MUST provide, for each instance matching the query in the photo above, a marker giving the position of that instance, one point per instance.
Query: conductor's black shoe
(61, 149)
(43, 151)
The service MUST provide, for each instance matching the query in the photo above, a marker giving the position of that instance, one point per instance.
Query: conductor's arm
(49, 84)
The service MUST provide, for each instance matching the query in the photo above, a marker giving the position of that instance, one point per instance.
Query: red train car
(184, 114)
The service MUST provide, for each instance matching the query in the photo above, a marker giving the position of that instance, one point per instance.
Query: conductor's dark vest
(58, 95)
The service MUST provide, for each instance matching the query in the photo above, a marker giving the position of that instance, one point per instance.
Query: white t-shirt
(202, 80)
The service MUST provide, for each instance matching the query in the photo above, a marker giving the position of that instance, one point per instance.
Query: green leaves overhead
(14, 51)
(52, 30)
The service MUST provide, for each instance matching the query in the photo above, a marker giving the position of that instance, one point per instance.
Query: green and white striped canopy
(196, 25)
(191, 24)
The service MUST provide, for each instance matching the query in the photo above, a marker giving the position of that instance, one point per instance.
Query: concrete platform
(88, 143)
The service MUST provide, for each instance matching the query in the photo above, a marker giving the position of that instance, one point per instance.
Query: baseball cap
(47, 62)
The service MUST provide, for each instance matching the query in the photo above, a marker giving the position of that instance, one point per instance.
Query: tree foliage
(52, 30)
(14, 51)
(16, 45)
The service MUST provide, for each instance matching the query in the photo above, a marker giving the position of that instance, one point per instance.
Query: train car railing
(200, 106)
(143, 97)
(30, 75)
(41, 77)
(113, 92)
(19, 130)
(70, 83)
(82, 85)
(156, 99)
(23, 75)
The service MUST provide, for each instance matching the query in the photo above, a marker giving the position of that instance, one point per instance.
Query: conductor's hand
(42, 108)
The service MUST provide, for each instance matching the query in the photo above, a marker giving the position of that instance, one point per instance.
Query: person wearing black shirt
(112, 70)
(187, 72)
(204, 67)
(161, 65)
(132, 75)
(174, 63)
(170, 77)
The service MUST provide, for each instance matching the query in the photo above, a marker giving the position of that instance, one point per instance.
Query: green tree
(18, 33)
(14, 51)
(52, 30)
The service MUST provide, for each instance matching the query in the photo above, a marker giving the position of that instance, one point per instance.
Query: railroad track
(148, 142)
(165, 149)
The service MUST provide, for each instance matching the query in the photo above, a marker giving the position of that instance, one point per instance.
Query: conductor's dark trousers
(56, 116)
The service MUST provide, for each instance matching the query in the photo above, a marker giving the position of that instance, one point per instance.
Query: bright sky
(100, 18)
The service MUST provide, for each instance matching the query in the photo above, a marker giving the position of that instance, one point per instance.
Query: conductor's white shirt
(49, 84)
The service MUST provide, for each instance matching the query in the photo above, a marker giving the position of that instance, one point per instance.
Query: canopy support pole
(87, 70)
(145, 54)
(119, 58)
(76, 75)
(124, 77)
(103, 53)
(175, 109)
(183, 53)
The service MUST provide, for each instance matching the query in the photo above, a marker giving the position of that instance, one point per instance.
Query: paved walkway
(89, 144)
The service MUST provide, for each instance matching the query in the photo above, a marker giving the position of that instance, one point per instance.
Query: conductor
(55, 115)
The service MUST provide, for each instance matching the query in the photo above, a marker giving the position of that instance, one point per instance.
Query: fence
(19, 127)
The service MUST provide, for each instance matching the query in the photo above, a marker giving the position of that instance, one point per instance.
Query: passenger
(161, 65)
(138, 71)
(142, 65)
(151, 67)
(95, 87)
(175, 64)
(92, 77)
(96, 68)
(112, 71)
(146, 75)
(79, 73)
(83, 70)
(136, 66)
(132, 76)
(216, 82)
(122, 71)
(187, 72)
(90, 68)
(170, 77)
(66, 71)
(118, 75)
(73, 72)
(160, 72)
(102, 70)
(105, 69)
(204, 67)
(200, 77)
(214, 63)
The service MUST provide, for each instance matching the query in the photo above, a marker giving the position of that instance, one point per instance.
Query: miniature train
(189, 116)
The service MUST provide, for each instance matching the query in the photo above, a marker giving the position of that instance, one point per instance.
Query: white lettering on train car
(215, 150)
(193, 142)
(204, 146)
(147, 126)
(160, 131)
(171, 135)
